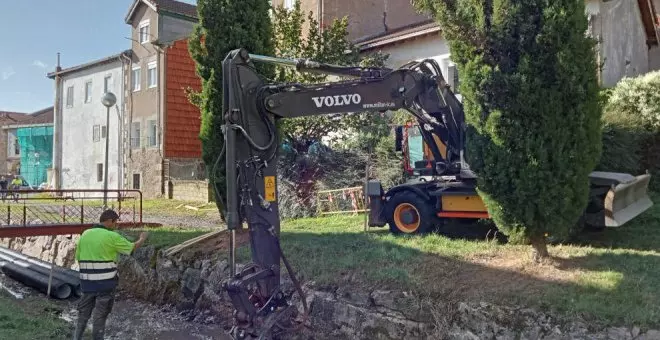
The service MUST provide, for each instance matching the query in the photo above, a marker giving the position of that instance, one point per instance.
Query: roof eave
(389, 39)
(129, 16)
(85, 66)
(179, 15)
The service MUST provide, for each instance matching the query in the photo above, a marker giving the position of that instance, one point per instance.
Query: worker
(16, 185)
(4, 184)
(97, 253)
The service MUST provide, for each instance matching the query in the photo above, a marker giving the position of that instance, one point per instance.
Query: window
(106, 84)
(13, 147)
(104, 131)
(153, 132)
(95, 133)
(88, 92)
(453, 78)
(288, 4)
(135, 135)
(136, 78)
(152, 77)
(17, 147)
(144, 32)
(136, 181)
(69, 96)
(99, 172)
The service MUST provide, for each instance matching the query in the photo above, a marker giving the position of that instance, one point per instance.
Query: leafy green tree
(302, 134)
(224, 25)
(530, 89)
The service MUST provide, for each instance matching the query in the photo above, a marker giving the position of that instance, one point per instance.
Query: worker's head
(109, 218)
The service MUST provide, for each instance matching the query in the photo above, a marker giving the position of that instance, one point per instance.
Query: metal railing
(56, 212)
(341, 201)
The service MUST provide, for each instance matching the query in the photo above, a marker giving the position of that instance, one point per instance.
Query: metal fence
(341, 201)
(51, 207)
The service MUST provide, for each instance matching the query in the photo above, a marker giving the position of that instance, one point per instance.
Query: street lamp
(108, 100)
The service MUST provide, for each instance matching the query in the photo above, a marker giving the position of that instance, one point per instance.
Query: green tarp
(36, 145)
(415, 148)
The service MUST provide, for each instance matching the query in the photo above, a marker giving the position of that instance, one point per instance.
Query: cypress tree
(224, 25)
(530, 92)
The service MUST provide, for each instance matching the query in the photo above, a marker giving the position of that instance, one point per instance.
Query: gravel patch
(184, 221)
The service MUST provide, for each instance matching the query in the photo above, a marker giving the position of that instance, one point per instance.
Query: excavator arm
(251, 106)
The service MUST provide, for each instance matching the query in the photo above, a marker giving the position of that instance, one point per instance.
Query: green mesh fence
(36, 152)
(415, 148)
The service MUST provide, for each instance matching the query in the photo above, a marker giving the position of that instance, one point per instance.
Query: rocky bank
(191, 283)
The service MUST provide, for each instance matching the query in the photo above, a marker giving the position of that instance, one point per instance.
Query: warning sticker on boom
(269, 184)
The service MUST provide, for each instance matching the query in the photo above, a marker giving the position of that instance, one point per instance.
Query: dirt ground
(135, 320)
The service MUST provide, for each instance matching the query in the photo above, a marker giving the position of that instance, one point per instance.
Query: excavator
(614, 198)
(443, 187)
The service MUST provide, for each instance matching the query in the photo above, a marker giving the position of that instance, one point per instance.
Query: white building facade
(629, 32)
(81, 127)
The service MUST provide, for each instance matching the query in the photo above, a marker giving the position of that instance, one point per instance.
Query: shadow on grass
(608, 288)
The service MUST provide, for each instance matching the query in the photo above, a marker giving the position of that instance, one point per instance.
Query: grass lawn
(610, 277)
(164, 237)
(31, 318)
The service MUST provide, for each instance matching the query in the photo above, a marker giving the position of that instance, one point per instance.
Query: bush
(530, 93)
(631, 127)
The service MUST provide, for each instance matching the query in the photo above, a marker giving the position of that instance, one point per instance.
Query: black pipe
(59, 289)
(74, 282)
(68, 276)
(39, 262)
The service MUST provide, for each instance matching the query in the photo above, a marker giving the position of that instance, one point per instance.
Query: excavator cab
(418, 158)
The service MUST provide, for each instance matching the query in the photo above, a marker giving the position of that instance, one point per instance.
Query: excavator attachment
(626, 198)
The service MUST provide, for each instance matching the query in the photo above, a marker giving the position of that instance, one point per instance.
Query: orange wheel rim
(404, 208)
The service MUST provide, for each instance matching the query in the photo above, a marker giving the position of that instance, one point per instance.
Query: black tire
(412, 205)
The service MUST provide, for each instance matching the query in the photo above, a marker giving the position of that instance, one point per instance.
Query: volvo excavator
(444, 185)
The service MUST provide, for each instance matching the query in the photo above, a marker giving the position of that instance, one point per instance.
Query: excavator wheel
(410, 214)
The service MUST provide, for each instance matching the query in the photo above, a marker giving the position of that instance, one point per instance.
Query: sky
(32, 32)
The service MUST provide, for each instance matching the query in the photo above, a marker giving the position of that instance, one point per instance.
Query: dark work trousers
(101, 305)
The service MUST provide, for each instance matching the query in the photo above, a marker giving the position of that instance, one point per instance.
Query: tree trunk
(540, 248)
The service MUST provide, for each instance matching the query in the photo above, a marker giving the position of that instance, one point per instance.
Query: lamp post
(108, 100)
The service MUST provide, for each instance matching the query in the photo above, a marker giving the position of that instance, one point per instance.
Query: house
(628, 30)
(80, 124)
(30, 146)
(9, 148)
(163, 157)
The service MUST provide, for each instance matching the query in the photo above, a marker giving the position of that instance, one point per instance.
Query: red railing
(61, 212)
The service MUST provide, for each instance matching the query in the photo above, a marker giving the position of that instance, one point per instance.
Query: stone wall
(192, 283)
(59, 249)
(189, 190)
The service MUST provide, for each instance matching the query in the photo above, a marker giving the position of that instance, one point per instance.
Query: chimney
(58, 68)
